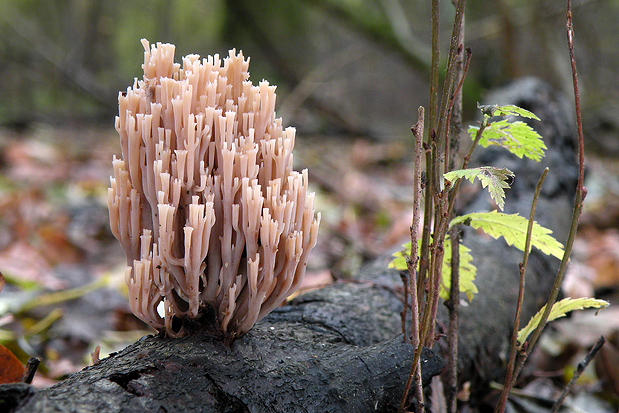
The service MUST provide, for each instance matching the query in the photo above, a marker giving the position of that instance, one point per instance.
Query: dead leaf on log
(11, 369)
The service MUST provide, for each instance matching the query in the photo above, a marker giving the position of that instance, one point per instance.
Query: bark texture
(334, 350)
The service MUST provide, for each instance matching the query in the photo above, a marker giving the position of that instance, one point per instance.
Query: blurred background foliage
(352, 66)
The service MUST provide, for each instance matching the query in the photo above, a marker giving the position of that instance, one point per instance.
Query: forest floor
(65, 295)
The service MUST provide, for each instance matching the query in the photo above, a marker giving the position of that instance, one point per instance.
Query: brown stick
(31, 369)
(453, 305)
(411, 263)
(581, 367)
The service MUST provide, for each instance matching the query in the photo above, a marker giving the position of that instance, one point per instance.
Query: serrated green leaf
(467, 270)
(517, 137)
(507, 110)
(399, 258)
(495, 179)
(513, 228)
(466, 275)
(560, 309)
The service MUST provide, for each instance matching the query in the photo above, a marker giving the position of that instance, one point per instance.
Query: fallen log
(333, 350)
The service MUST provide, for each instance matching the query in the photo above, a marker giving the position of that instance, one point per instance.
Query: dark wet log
(334, 350)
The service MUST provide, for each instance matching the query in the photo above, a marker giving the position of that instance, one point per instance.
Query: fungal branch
(204, 198)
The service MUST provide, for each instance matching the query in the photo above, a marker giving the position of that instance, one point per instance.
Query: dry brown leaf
(35, 161)
(316, 279)
(55, 246)
(598, 250)
(11, 369)
(95, 355)
(25, 262)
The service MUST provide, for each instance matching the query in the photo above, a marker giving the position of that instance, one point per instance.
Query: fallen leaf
(24, 263)
(316, 279)
(603, 257)
(95, 355)
(11, 369)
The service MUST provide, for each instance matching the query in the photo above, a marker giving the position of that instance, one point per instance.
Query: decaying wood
(333, 350)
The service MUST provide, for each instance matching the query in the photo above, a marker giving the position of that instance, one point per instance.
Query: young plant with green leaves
(438, 266)
(520, 232)
(521, 140)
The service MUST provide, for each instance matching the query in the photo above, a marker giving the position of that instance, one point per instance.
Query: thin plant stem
(581, 193)
(581, 367)
(457, 95)
(424, 251)
(405, 284)
(555, 288)
(450, 106)
(432, 125)
(455, 107)
(31, 369)
(436, 265)
(424, 280)
(478, 135)
(453, 305)
(522, 270)
(454, 48)
(440, 197)
(411, 262)
(414, 229)
(434, 66)
(581, 146)
(465, 163)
